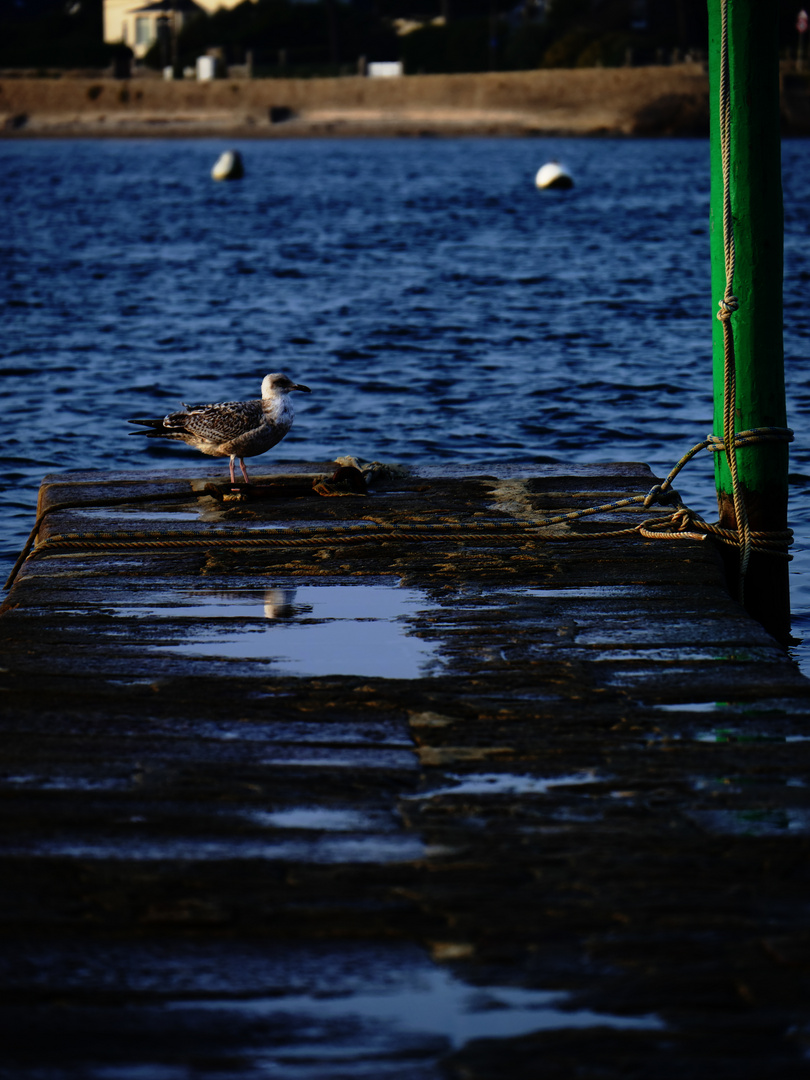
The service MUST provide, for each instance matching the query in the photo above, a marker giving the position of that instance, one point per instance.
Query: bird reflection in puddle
(277, 603)
(328, 629)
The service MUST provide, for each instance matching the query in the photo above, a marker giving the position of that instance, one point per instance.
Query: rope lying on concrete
(681, 524)
(94, 505)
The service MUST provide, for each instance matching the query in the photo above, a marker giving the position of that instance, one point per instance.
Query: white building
(136, 23)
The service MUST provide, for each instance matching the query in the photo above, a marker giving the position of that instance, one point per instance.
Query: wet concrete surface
(456, 807)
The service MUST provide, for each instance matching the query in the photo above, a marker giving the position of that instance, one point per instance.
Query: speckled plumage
(234, 429)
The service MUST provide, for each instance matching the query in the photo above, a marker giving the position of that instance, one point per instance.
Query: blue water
(437, 304)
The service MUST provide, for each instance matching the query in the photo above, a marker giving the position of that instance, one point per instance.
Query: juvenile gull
(234, 429)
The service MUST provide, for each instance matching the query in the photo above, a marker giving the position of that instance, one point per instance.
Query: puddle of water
(152, 1071)
(323, 819)
(376, 849)
(741, 783)
(765, 708)
(429, 1002)
(260, 525)
(505, 784)
(233, 604)
(312, 630)
(674, 677)
(344, 758)
(145, 515)
(731, 735)
(656, 654)
(695, 706)
(385, 735)
(66, 783)
(771, 821)
(292, 1010)
(592, 592)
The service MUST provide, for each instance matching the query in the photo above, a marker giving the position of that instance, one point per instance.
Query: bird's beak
(300, 386)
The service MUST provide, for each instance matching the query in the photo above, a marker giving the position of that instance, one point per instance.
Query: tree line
(327, 37)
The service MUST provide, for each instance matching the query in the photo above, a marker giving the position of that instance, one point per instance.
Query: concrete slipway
(479, 804)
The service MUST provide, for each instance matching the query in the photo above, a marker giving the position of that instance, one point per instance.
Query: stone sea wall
(596, 101)
(643, 101)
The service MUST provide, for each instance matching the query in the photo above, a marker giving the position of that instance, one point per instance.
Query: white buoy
(553, 175)
(229, 166)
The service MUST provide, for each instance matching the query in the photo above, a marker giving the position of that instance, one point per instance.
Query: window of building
(144, 34)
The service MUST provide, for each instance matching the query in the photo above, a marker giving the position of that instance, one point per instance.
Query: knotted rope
(728, 305)
(731, 440)
(681, 524)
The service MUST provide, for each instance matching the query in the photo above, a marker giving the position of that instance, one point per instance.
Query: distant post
(756, 204)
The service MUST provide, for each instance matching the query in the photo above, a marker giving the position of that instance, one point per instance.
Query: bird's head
(280, 384)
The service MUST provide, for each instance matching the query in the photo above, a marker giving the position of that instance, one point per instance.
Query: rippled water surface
(439, 306)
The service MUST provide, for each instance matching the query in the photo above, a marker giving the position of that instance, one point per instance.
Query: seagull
(234, 429)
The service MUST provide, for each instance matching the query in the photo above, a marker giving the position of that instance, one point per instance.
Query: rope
(486, 532)
(298, 537)
(97, 503)
(753, 435)
(728, 305)
(680, 524)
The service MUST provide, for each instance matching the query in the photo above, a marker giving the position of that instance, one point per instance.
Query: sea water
(440, 307)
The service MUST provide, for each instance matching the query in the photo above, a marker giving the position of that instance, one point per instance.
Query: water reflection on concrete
(325, 819)
(364, 1010)
(372, 849)
(753, 821)
(310, 630)
(423, 1001)
(505, 784)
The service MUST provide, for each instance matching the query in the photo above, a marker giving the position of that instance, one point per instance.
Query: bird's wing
(218, 423)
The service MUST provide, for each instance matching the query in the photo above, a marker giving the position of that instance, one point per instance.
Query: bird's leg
(244, 470)
(233, 478)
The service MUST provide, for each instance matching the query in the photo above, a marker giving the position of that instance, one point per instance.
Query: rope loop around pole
(750, 437)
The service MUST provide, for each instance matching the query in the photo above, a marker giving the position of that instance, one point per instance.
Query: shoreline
(345, 128)
(593, 102)
(584, 102)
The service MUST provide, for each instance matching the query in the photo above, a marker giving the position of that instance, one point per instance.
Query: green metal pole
(756, 204)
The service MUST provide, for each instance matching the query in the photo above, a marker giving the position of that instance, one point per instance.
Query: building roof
(168, 5)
